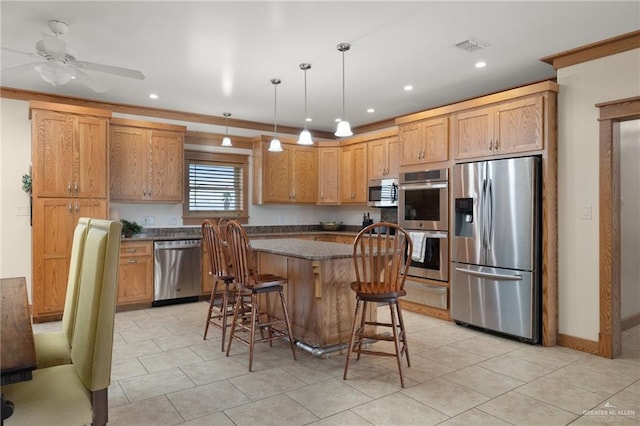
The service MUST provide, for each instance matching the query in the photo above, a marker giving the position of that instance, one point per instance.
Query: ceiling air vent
(471, 45)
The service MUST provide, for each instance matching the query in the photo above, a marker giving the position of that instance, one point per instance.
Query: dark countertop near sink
(194, 232)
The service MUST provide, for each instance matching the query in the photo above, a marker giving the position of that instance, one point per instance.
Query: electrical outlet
(22, 211)
(586, 212)
(148, 220)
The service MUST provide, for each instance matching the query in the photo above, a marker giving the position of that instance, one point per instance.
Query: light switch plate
(585, 213)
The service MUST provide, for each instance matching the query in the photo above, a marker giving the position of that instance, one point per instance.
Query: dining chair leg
(405, 346)
(363, 321)
(225, 307)
(288, 323)
(396, 340)
(252, 341)
(234, 319)
(269, 319)
(211, 305)
(353, 335)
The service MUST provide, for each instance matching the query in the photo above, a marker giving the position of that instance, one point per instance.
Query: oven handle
(414, 186)
(430, 234)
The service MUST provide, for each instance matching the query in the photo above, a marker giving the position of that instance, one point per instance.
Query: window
(215, 186)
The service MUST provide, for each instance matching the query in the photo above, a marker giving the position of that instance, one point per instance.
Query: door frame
(611, 114)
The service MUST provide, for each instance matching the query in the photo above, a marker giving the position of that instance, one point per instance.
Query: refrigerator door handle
(489, 214)
(501, 277)
(481, 210)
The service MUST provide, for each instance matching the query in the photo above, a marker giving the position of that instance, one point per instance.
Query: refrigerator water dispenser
(464, 217)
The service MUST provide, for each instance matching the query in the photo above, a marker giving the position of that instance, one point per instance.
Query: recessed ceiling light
(338, 120)
(153, 96)
(481, 64)
(408, 88)
(370, 110)
(308, 119)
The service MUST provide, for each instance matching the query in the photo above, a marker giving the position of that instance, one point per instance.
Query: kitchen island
(320, 302)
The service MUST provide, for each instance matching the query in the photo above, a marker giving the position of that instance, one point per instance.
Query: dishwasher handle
(177, 245)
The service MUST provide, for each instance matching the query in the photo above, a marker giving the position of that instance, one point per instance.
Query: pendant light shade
(226, 141)
(275, 145)
(305, 135)
(344, 128)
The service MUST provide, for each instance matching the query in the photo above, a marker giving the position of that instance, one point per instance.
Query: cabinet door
(166, 166)
(91, 134)
(474, 130)
(328, 178)
(393, 168)
(411, 143)
(360, 173)
(135, 276)
(436, 140)
(54, 220)
(378, 158)
(304, 184)
(128, 152)
(346, 175)
(518, 126)
(53, 154)
(277, 175)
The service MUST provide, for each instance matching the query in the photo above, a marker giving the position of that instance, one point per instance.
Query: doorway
(612, 114)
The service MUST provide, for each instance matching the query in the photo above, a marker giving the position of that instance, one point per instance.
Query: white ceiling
(214, 57)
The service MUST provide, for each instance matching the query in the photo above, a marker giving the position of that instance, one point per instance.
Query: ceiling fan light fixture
(226, 141)
(344, 128)
(55, 73)
(275, 145)
(305, 135)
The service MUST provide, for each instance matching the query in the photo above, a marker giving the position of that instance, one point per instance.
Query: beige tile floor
(164, 373)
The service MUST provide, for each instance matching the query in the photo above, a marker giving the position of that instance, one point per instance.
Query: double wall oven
(423, 211)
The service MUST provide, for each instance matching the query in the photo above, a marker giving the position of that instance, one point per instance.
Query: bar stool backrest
(240, 253)
(382, 256)
(215, 245)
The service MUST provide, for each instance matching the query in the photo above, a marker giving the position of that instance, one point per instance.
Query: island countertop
(303, 249)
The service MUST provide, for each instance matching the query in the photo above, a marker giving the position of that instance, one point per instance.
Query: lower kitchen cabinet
(135, 278)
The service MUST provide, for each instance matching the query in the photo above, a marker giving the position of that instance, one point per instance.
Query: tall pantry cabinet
(69, 174)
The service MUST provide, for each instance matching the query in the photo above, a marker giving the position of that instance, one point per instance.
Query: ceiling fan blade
(109, 69)
(85, 79)
(54, 46)
(34, 55)
(23, 67)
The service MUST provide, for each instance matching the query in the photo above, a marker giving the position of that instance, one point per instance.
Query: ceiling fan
(59, 64)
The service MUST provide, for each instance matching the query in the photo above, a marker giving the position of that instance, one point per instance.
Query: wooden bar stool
(381, 255)
(250, 283)
(213, 240)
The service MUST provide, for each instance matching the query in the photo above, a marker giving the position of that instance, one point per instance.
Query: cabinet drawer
(136, 249)
(426, 294)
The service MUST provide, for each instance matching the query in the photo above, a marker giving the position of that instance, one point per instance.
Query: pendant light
(305, 135)
(226, 141)
(344, 128)
(275, 145)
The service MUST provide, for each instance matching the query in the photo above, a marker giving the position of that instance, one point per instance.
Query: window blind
(215, 187)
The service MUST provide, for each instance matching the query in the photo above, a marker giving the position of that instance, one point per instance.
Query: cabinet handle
(131, 250)
(69, 187)
(495, 144)
(132, 261)
(490, 145)
(69, 208)
(75, 187)
(77, 208)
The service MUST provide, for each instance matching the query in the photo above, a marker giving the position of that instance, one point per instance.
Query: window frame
(237, 160)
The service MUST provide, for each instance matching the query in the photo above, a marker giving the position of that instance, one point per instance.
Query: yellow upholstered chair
(54, 347)
(76, 393)
(381, 264)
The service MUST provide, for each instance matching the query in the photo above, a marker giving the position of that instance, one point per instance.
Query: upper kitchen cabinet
(382, 157)
(328, 175)
(425, 141)
(505, 128)
(287, 177)
(146, 161)
(353, 174)
(69, 150)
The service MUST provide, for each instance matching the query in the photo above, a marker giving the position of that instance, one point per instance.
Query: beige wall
(581, 87)
(15, 160)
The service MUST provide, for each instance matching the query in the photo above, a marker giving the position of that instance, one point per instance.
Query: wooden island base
(320, 301)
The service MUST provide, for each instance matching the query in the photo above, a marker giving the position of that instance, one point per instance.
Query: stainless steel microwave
(383, 193)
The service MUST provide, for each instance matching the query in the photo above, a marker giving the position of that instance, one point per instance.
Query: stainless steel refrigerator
(495, 281)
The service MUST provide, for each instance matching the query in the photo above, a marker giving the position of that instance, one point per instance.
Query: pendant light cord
(275, 110)
(305, 99)
(343, 109)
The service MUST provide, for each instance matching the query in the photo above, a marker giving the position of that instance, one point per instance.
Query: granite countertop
(195, 233)
(304, 249)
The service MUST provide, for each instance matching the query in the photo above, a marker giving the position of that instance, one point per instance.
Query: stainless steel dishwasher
(177, 271)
